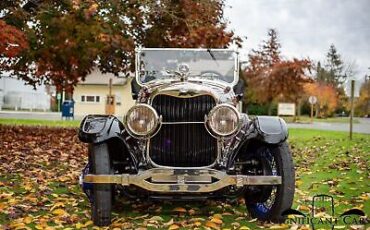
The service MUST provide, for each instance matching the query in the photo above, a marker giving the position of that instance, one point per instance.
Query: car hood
(222, 94)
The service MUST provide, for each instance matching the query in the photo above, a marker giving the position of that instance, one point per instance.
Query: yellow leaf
(2, 206)
(156, 218)
(303, 208)
(364, 197)
(28, 187)
(212, 225)
(170, 222)
(179, 209)
(244, 228)
(197, 224)
(88, 223)
(57, 205)
(79, 225)
(283, 226)
(253, 220)
(16, 225)
(218, 216)
(173, 227)
(216, 220)
(227, 214)
(59, 212)
(27, 220)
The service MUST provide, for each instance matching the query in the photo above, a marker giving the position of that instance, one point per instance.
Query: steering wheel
(213, 73)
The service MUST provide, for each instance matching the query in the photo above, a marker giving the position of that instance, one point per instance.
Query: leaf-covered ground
(39, 189)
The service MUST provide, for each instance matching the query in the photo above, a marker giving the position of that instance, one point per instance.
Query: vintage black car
(185, 139)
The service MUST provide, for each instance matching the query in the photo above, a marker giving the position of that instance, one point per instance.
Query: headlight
(142, 120)
(223, 120)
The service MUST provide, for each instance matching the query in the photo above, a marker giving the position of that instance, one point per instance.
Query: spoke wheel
(267, 203)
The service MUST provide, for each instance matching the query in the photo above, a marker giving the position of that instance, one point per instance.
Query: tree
(363, 103)
(12, 41)
(187, 23)
(69, 38)
(272, 78)
(326, 97)
(333, 73)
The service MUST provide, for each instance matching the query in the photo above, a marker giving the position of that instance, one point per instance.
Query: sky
(306, 28)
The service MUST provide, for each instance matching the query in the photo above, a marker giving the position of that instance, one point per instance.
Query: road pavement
(362, 127)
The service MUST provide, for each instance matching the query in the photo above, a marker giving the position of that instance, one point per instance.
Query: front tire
(272, 201)
(101, 205)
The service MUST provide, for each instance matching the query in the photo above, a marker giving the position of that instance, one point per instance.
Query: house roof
(98, 78)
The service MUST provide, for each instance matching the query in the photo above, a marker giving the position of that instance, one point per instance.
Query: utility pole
(352, 109)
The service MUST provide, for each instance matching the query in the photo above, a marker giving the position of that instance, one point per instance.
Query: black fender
(99, 128)
(271, 130)
(262, 129)
(95, 129)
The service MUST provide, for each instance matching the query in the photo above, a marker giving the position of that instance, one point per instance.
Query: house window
(89, 98)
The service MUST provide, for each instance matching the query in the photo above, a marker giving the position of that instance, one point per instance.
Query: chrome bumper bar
(182, 180)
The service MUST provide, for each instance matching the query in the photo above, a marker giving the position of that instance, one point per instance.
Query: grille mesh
(183, 145)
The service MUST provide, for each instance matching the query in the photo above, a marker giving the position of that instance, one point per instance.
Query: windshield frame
(162, 81)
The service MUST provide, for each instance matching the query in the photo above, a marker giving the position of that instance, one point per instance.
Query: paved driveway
(362, 127)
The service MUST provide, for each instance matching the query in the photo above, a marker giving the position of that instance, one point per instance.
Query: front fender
(271, 130)
(264, 129)
(99, 128)
(95, 129)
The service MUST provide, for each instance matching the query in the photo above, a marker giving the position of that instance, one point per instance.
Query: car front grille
(183, 144)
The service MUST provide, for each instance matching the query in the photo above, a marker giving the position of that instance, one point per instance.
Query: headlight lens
(142, 120)
(223, 120)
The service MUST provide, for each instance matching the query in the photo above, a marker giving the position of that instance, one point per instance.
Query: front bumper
(182, 180)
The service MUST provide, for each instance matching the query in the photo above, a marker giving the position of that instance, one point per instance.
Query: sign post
(58, 101)
(312, 100)
(352, 109)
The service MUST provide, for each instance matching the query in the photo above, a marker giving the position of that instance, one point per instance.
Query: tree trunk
(269, 111)
(298, 110)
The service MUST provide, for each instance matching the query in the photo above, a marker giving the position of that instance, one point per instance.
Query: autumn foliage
(272, 78)
(12, 40)
(187, 24)
(326, 95)
(68, 39)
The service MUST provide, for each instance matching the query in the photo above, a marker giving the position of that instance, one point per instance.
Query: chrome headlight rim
(214, 132)
(152, 132)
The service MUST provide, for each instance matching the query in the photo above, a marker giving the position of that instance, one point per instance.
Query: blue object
(68, 109)
(86, 187)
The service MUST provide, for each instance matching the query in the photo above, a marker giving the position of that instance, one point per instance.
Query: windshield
(198, 64)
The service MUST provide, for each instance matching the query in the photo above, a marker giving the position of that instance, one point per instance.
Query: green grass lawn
(31, 122)
(328, 162)
(38, 183)
(307, 119)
